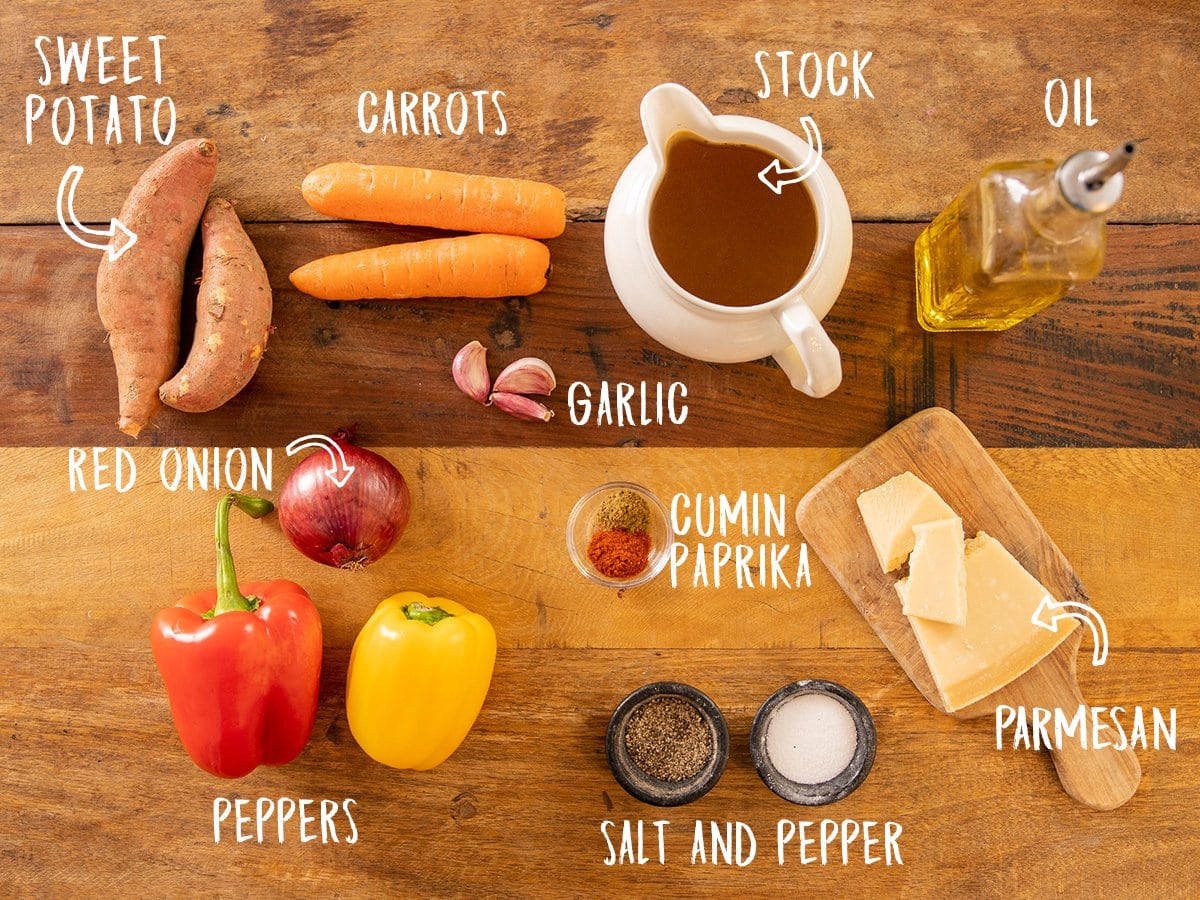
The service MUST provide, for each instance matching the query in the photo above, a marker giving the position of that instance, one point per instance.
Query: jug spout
(669, 108)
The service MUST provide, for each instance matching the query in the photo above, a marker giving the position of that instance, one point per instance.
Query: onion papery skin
(348, 527)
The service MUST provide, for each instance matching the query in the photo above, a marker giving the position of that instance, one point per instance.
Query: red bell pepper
(241, 672)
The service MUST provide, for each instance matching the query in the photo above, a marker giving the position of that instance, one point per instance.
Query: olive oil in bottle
(1016, 240)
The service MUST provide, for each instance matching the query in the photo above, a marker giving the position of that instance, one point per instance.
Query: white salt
(811, 738)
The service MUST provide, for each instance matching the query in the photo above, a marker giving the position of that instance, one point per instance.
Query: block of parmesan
(936, 586)
(998, 643)
(891, 510)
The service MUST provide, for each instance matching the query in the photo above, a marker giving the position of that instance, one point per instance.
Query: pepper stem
(422, 612)
(229, 598)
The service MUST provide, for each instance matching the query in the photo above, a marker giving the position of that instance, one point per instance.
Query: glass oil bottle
(1016, 240)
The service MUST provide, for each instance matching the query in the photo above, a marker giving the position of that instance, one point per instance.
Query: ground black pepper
(667, 738)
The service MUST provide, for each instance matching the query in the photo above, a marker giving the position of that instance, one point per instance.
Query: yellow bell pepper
(419, 672)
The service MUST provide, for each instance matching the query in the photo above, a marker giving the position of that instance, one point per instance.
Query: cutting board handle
(1102, 779)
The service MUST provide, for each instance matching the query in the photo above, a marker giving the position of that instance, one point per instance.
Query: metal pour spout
(1095, 177)
(1091, 180)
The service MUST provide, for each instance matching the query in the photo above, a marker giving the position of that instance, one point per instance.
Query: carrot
(435, 199)
(233, 316)
(476, 265)
(138, 295)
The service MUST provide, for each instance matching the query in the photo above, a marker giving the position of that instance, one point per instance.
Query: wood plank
(488, 525)
(1117, 365)
(522, 802)
(102, 798)
(953, 89)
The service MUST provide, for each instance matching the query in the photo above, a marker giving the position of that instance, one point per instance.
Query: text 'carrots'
(436, 199)
(476, 265)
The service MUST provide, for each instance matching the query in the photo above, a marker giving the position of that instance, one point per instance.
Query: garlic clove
(470, 372)
(521, 407)
(529, 375)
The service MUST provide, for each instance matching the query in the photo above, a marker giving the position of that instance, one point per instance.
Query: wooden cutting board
(939, 449)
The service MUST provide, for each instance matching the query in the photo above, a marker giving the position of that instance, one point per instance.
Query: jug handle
(811, 361)
(669, 108)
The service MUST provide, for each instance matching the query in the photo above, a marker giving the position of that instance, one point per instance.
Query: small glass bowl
(581, 525)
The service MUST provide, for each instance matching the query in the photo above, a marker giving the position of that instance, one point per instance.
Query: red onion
(346, 527)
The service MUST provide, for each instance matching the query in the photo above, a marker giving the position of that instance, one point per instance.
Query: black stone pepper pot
(646, 787)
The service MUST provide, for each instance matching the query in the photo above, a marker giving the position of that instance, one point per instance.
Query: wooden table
(1092, 409)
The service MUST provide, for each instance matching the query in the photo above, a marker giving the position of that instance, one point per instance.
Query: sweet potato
(138, 295)
(233, 316)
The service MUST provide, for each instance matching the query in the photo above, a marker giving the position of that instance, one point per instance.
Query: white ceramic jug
(787, 327)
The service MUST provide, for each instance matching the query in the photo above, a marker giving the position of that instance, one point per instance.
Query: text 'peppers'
(241, 672)
(419, 672)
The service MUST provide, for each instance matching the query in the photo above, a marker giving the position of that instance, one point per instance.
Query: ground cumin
(617, 553)
(624, 508)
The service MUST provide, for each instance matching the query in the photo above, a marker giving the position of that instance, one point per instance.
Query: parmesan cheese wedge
(936, 586)
(998, 643)
(891, 510)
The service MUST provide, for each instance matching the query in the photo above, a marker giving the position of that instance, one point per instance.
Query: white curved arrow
(1050, 612)
(120, 237)
(339, 473)
(776, 177)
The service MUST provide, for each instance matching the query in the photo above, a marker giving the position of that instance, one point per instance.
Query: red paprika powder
(618, 553)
